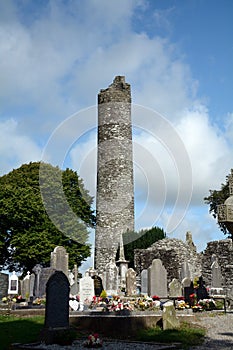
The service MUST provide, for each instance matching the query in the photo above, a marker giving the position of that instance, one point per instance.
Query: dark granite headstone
(201, 290)
(187, 292)
(98, 286)
(57, 301)
(4, 280)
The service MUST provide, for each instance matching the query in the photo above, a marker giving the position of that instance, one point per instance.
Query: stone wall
(223, 249)
(173, 252)
(115, 190)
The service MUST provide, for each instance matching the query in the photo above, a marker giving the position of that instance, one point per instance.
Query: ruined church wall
(223, 249)
(172, 252)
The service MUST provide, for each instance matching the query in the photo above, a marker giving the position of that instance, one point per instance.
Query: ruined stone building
(179, 258)
(115, 187)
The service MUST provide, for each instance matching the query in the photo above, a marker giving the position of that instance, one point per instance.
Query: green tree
(42, 207)
(216, 198)
(140, 240)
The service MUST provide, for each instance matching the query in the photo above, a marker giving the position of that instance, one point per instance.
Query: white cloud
(15, 148)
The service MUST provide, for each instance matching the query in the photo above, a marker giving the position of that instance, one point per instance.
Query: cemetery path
(219, 331)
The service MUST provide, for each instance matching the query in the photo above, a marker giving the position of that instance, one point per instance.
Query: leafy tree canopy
(216, 198)
(42, 207)
(140, 240)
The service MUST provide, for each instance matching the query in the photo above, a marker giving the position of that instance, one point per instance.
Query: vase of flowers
(93, 341)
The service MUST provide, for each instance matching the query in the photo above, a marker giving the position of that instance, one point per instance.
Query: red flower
(155, 297)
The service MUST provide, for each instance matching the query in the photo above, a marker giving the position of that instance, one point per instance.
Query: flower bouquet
(93, 341)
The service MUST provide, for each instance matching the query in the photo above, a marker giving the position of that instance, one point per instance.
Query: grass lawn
(15, 329)
(19, 330)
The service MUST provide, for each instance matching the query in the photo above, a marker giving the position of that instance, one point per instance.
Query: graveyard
(170, 284)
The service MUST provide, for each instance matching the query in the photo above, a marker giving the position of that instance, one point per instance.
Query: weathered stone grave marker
(144, 281)
(170, 321)
(157, 275)
(111, 271)
(60, 260)
(175, 289)
(131, 286)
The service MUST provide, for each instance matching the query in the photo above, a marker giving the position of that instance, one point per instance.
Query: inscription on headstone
(86, 289)
(13, 284)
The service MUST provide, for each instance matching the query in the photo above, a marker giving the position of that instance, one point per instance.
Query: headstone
(60, 260)
(57, 307)
(98, 286)
(86, 289)
(25, 286)
(32, 285)
(37, 270)
(13, 284)
(131, 286)
(216, 281)
(158, 279)
(111, 278)
(4, 283)
(201, 290)
(91, 272)
(175, 289)
(188, 289)
(44, 277)
(185, 270)
(144, 282)
(170, 321)
(74, 290)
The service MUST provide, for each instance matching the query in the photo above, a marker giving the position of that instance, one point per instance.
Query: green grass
(15, 329)
(19, 330)
(186, 335)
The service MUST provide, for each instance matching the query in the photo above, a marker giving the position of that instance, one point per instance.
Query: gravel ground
(219, 332)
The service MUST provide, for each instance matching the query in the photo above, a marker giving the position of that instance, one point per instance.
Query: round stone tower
(115, 187)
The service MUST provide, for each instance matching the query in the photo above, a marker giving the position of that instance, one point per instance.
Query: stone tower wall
(115, 189)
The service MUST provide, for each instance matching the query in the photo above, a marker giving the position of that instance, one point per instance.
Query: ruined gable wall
(223, 249)
(172, 252)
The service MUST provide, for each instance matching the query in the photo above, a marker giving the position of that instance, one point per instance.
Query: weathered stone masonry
(115, 188)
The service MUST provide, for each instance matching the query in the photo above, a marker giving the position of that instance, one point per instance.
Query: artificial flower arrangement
(181, 304)
(93, 341)
(9, 299)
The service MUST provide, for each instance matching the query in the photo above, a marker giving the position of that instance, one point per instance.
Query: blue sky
(177, 55)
